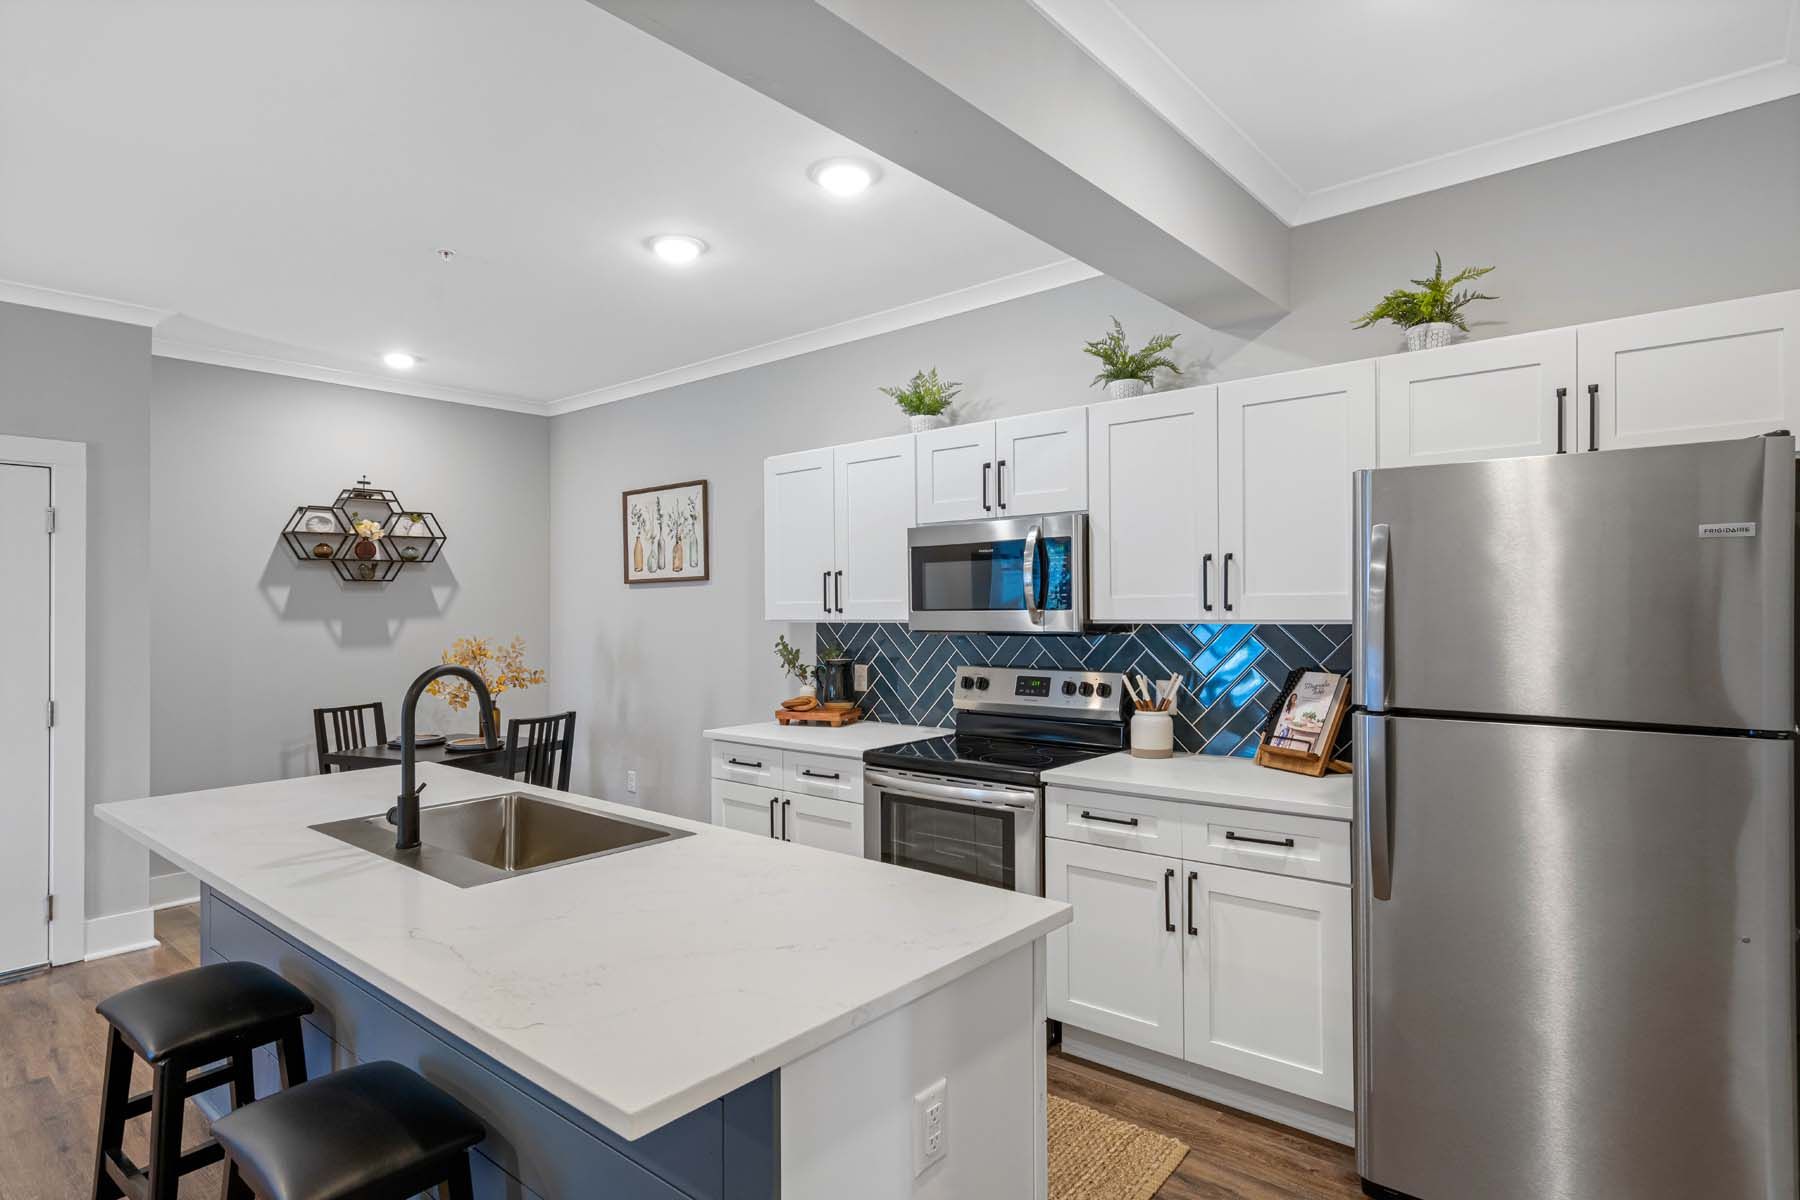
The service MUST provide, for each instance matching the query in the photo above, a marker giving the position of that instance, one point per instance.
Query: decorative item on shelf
(1153, 722)
(502, 668)
(366, 534)
(1126, 372)
(925, 399)
(667, 533)
(835, 677)
(1303, 723)
(1431, 311)
(788, 655)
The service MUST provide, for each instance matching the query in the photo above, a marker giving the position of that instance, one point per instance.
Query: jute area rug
(1097, 1157)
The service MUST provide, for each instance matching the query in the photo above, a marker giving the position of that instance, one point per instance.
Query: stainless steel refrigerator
(1575, 784)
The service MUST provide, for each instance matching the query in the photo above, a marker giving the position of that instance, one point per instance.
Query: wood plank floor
(50, 1041)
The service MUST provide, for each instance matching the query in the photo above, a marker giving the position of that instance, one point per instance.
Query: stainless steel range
(971, 804)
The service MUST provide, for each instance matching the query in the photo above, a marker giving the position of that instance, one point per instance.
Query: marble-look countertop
(637, 986)
(1211, 779)
(849, 740)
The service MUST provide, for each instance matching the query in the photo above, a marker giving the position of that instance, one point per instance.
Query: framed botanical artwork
(667, 538)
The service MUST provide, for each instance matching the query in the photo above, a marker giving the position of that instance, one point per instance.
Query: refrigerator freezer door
(1581, 982)
(1636, 587)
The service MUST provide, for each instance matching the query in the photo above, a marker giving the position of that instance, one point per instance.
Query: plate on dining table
(464, 745)
(422, 741)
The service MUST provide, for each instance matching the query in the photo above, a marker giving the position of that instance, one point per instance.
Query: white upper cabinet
(799, 552)
(1288, 445)
(873, 498)
(956, 473)
(1041, 463)
(1698, 374)
(1500, 398)
(1153, 507)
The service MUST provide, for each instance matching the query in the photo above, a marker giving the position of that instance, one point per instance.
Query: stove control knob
(968, 681)
(1087, 689)
(982, 683)
(1068, 687)
(1103, 690)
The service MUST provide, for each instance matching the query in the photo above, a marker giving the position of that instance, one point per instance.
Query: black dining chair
(349, 729)
(541, 747)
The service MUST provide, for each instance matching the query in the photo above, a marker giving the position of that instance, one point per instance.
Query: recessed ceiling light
(677, 249)
(844, 177)
(399, 360)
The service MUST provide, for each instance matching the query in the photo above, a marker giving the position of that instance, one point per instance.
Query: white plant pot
(927, 424)
(1429, 336)
(1125, 389)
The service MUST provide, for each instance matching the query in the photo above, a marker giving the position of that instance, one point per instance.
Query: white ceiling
(1320, 107)
(279, 175)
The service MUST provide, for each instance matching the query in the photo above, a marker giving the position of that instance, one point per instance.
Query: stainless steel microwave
(1012, 575)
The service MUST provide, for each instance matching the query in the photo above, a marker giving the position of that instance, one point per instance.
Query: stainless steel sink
(472, 842)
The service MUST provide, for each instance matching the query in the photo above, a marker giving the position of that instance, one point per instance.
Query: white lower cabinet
(811, 799)
(826, 824)
(745, 807)
(1266, 979)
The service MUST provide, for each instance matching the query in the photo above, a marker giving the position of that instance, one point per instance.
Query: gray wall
(246, 641)
(1698, 213)
(81, 380)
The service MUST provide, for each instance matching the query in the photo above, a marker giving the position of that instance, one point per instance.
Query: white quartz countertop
(849, 740)
(1211, 779)
(636, 986)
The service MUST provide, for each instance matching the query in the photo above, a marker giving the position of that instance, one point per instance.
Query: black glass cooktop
(974, 756)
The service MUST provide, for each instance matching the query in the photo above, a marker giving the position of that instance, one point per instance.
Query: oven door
(1018, 575)
(983, 832)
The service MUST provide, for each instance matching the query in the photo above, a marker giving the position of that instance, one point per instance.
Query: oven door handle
(951, 792)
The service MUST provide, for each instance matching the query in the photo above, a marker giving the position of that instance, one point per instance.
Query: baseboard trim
(120, 933)
(1298, 1112)
(175, 888)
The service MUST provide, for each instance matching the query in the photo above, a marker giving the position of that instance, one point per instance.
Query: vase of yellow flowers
(502, 668)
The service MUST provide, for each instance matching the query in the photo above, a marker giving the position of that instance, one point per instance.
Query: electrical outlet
(860, 677)
(631, 782)
(931, 1126)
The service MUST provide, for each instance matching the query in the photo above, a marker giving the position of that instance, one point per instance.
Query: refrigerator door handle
(1375, 620)
(1375, 803)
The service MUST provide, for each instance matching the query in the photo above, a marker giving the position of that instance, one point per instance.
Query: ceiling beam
(988, 100)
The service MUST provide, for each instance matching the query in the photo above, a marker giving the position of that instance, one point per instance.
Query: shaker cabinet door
(746, 808)
(1498, 398)
(798, 550)
(874, 509)
(956, 473)
(1040, 463)
(826, 824)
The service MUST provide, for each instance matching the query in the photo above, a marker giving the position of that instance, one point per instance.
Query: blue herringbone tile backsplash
(1232, 672)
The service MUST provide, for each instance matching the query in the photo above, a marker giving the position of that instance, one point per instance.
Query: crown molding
(214, 356)
(32, 296)
(949, 304)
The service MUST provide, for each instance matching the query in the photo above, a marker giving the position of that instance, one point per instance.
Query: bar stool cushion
(196, 1009)
(374, 1130)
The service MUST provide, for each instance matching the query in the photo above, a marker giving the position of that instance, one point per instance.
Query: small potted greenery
(926, 399)
(1126, 372)
(1433, 309)
(788, 655)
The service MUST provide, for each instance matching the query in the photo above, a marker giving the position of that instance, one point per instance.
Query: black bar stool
(176, 1024)
(371, 1132)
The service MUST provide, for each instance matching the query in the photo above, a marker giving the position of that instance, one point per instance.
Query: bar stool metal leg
(457, 1186)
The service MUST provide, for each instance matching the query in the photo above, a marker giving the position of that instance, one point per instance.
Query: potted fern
(926, 399)
(1126, 372)
(1432, 309)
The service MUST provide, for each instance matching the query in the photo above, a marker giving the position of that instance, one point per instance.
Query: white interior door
(1288, 446)
(1153, 507)
(1040, 463)
(1117, 968)
(956, 473)
(1499, 398)
(798, 554)
(874, 498)
(1268, 980)
(24, 727)
(1698, 374)
(827, 824)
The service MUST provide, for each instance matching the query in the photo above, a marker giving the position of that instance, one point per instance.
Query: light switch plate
(860, 677)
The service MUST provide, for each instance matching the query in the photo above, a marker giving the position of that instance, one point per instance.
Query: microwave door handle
(1030, 576)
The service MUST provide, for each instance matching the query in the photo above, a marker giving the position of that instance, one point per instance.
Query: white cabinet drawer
(1123, 822)
(746, 808)
(822, 775)
(746, 764)
(1306, 847)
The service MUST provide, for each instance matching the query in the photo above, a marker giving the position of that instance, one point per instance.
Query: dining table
(357, 758)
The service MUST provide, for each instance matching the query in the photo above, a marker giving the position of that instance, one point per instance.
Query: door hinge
(49, 909)
(49, 714)
(49, 520)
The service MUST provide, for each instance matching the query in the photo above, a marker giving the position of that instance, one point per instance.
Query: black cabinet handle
(1238, 837)
(838, 577)
(1206, 582)
(1227, 597)
(1168, 917)
(785, 804)
(1000, 484)
(1593, 416)
(986, 470)
(1562, 405)
(819, 774)
(1088, 816)
(772, 804)
(1193, 930)
(738, 762)
(825, 591)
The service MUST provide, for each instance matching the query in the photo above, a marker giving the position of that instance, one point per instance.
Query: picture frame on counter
(667, 533)
(1304, 721)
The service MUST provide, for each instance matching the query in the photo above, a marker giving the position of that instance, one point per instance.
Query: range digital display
(1032, 685)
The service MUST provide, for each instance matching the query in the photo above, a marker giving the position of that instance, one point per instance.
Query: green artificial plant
(924, 395)
(789, 657)
(1119, 361)
(1433, 300)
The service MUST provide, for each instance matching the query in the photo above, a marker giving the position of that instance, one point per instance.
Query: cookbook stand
(1298, 756)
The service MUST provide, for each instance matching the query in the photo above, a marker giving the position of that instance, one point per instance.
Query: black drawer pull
(1193, 930)
(772, 805)
(1168, 917)
(819, 774)
(736, 762)
(1088, 816)
(1562, 397)
(1238, 837)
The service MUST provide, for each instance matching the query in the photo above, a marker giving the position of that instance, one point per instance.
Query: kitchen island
(714, 1016)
